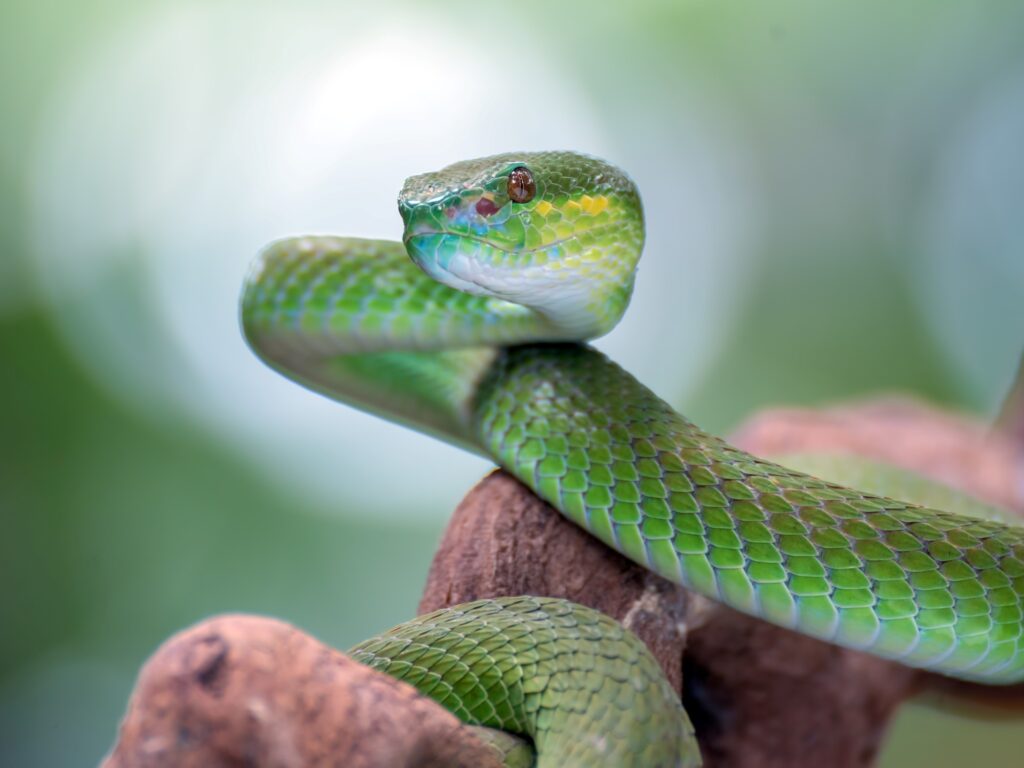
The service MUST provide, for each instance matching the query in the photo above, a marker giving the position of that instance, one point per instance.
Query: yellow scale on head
(585, 205)
(593, 205)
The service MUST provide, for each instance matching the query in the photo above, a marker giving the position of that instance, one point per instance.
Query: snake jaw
(437, 254)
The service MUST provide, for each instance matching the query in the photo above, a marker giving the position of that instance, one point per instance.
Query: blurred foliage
(119, 531)
(125, 522)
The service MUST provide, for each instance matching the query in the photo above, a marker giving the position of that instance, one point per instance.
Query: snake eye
(521, 186)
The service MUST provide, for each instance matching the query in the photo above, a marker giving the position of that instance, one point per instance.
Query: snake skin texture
(925, 587)
(587, 691)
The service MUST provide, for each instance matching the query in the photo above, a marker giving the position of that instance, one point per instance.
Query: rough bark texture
(248, 691)
(758, 695)
(503, 540)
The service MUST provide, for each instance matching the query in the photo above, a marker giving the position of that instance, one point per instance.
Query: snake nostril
(486, 207)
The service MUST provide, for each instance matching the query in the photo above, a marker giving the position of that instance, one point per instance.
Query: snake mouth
(481, 240)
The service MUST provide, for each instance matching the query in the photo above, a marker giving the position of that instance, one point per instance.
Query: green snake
(473, 329)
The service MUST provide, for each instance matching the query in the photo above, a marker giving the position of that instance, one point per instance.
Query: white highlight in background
(201, 133)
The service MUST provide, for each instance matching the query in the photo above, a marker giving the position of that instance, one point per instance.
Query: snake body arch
(478, 338)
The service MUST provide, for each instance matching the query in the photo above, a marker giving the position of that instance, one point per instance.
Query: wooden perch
(248, 691)
(758, 695)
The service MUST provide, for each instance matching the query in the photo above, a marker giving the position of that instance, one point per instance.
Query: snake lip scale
(473, 329)
(428, 232)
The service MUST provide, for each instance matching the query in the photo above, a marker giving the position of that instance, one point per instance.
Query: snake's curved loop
(512, 253)
(583, 688)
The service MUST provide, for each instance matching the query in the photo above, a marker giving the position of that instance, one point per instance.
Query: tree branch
(249, 691)
(240, 690)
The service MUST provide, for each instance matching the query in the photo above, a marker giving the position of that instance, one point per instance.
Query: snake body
(478, 338)
(572, 679)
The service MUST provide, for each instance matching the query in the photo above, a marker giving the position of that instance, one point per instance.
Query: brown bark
(503, 540)
(250, 691)
(758, 695)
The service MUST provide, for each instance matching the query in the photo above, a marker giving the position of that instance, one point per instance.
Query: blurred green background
(833, 195)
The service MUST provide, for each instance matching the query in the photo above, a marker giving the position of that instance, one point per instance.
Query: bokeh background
(834, 199)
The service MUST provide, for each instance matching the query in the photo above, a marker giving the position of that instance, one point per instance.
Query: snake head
(558, 232)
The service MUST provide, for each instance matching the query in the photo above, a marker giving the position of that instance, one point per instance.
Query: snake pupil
(521, 186)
